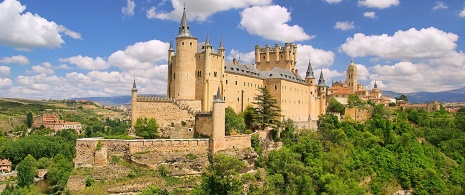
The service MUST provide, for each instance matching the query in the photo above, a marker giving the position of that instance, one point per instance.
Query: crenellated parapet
(284, 57)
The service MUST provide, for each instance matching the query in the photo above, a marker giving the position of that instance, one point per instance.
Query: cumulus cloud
(270, 22)
(380, 4)
(245, 58)
(462, 13)
(25, 31)
(45, 68)
(369, 14)
(426, 43)
(200, 10)
(19, 59)
(328, 74)
(4, 70)
(318, 57)
(333, 1)
(440, 5)
(344, 26)
(141, 55)
(87, 63)
(129, 9)
(5, 83)
(362, 72)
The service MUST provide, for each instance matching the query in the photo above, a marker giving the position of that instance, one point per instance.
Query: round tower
(322, 92)
(351, 77)
(207, 97)
(310, 80)
(133, 104)
(218, 126)
(170, 70)
(183, 75)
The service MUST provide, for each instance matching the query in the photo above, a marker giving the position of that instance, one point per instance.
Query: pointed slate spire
(171, 45)
(218, 96)
(321, 81)
(376, 85)
(221, 44)
(134, 88)
(310, 74)
(184, 27)
(207, 42)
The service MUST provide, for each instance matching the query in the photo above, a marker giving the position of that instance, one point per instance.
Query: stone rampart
(165, 112)
(237, 142)
(203, 123)
(96, 151)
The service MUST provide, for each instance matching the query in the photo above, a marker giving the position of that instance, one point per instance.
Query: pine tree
(268, 112)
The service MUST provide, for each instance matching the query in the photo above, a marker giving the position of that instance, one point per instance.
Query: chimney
(234, 61)
(296, 72)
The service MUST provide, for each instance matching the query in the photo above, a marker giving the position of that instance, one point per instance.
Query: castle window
(215, 73)
(263, 57)
(190, 43)
(244, 84)
(275, 87)
(226, 82)
(183, 41)
(224, 98)
(236, 82)
(237, 99)
(174, 76)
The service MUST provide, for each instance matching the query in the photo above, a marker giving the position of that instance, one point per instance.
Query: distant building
(53, 122)
(5, 166)
(430, 107)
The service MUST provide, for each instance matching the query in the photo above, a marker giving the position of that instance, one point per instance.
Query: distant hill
(115, 100)
(455, 95)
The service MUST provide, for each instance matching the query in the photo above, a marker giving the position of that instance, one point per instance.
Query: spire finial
(184, 27)
(134, 88)
(376, 85)
(321, 81)
(218, 96)
(207, 42)
(171, 45)
(309, 70)
(221, 44)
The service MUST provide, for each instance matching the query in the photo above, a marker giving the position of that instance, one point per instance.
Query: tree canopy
(267, 111)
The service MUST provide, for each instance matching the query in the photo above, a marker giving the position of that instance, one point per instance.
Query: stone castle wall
(96, 151)
(203, 123)
(237, 142)
(357, 114)
(165, 112)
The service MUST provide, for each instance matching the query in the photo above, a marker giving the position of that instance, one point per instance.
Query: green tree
(248, 115)
(27, 169)
(460, 119)
(153, 190)
(354, 101)
(233, 122)
(29, 119)
(222, 177)
(336, 106)
(146, 128)
(402, 97)
(59, 171)
(267, 112)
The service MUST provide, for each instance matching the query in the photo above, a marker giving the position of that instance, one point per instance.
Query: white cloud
(362, 72)
(63, 66)
(245, 58)
(318, 57)
(129, 9)
(25, 31)
(462, 13)
(5, 83)
(333, 1)
(45, 68)
(440, 5)
(200, 10)
(4, 70)
(328, 75)
(369, 14)
(19, 59)
(270, 22)
(345, 26)
(380, 4)
(87, 63)
(141, 55)
(427, 43)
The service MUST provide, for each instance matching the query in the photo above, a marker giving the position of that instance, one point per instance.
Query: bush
(163, 171)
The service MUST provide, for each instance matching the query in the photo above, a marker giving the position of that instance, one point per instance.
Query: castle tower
(217, 141)
(184, 67)
(207, 96)
(351, 77)
(133, 103)
(310, 80)
(322, 92)
(170, 68)
(282, 57)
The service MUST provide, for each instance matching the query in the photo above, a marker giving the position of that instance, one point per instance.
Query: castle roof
(5, 162)
(250, 70)
(134, 88)
(184, 27)
(221, 44)
(171, 45)
(321, 81)
(201, 47)
(310, 71)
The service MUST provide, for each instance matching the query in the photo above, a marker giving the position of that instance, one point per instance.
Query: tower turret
(170, 68)
(184, 66)
(351, 77)
(218, 126)
(221, 52)
(207, 96)
(310, 80)
(322, 92)
(133, 103)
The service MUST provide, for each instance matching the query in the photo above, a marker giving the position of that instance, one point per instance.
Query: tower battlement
(284, 57)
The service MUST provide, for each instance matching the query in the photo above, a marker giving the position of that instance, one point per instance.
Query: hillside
(455, 95)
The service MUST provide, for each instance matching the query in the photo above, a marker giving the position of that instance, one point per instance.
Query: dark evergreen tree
(29, 119)
(267, 111)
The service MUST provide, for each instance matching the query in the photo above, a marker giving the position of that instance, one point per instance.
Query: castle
(196, 70)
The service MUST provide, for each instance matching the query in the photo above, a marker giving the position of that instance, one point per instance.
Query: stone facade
(358, 114)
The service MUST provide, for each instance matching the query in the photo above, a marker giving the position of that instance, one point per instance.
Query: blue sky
(66, 49)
